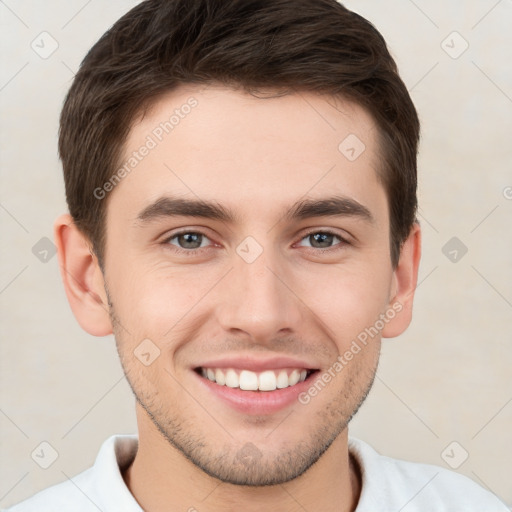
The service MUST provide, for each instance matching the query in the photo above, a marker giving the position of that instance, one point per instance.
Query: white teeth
(220, 378)
(247, 380)
(232, 379)
(267, 381)
(294, 378)
(282, 380)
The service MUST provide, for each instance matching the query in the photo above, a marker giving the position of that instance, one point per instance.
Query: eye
(323, 240)
(188, 240)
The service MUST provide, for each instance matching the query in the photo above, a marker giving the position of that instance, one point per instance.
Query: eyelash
(193, 252)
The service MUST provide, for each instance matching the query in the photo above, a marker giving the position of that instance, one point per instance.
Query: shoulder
(60, 496)
(394, 484)
(101, 487)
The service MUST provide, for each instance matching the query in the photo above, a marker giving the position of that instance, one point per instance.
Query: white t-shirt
(388, 485)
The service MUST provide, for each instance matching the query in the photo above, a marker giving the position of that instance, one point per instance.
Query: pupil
(322, 238)
(191, 240)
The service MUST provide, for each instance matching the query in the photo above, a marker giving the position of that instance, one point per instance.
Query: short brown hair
(295, 45)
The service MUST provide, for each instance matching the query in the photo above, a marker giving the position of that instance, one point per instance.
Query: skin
(298, 298)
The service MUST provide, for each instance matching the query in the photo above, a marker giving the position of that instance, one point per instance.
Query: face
(220, 306)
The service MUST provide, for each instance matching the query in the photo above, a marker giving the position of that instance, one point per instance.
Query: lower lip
(257, 402)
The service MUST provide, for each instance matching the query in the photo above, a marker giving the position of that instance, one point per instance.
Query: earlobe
(405, 279)
(82, 278)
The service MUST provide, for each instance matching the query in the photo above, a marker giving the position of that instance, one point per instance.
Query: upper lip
(257, 364)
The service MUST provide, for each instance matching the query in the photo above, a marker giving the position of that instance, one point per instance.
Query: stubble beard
(240, 462)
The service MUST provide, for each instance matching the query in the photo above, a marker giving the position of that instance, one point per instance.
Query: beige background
(447, 379)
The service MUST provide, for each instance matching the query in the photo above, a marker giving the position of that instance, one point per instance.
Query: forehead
(250, 153)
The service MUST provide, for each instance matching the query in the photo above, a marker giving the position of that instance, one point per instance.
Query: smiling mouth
(247, 380)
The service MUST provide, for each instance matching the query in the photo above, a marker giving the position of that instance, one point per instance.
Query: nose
(259, 301)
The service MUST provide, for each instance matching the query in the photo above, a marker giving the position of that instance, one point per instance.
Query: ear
(405, 278)
(82, 278)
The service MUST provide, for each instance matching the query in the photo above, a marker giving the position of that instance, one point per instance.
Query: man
(241, 180)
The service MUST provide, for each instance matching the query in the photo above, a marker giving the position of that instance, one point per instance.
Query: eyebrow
(335, 206)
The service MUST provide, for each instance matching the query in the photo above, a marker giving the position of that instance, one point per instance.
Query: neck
(162, 479)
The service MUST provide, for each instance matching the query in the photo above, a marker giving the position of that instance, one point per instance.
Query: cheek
(155, 302)
(348, 300)
(160, 300)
